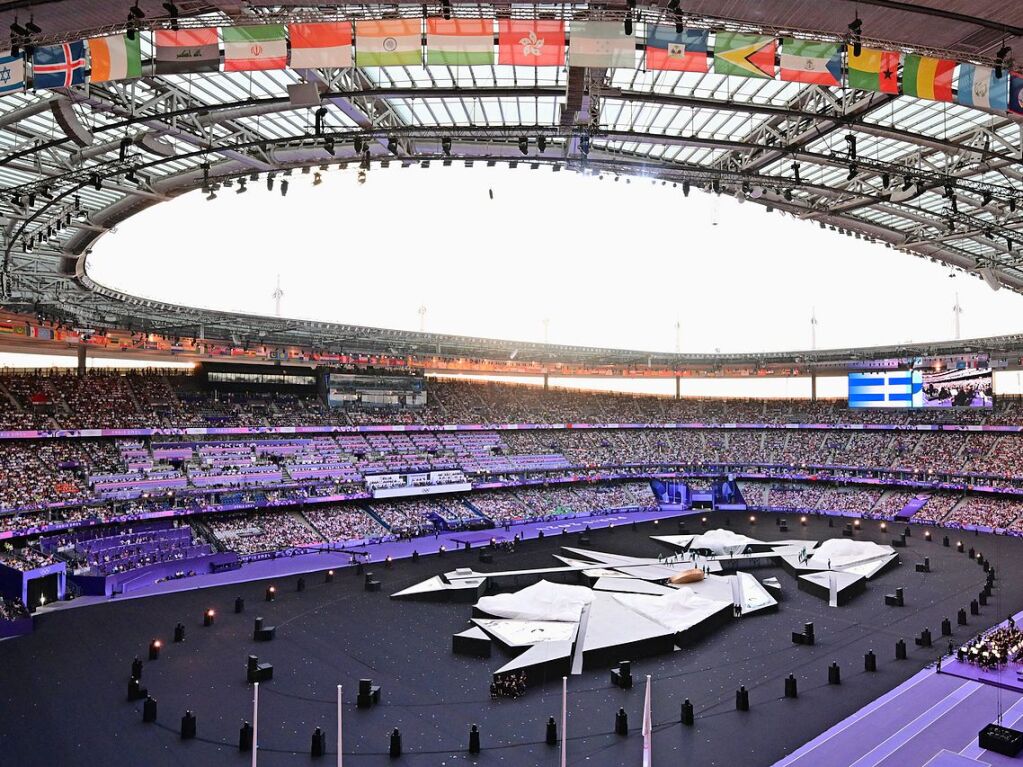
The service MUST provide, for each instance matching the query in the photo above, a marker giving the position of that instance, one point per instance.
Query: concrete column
(81, 359)
(678, 387)
(546, 382)
(813, 387)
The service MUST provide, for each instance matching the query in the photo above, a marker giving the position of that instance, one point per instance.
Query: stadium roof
(932, 179)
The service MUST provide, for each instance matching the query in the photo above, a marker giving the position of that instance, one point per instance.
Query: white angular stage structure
(598, 608)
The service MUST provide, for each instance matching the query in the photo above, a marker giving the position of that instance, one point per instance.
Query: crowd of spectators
(12, 609)
(250, 533)
(343, 523)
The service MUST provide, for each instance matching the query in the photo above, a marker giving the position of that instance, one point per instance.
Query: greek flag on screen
(891, 389)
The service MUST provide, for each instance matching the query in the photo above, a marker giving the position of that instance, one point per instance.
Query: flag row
(535, 43)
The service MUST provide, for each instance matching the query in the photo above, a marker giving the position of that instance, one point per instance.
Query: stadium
(236, 535)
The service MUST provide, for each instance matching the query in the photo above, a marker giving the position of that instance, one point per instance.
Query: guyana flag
(928, 78)
(874, 70)
(745, 55)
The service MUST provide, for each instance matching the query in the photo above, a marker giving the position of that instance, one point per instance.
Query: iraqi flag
(537, 43)
(186, 50)
(116, 57)
(59, 66)
(12, 73)
(254, 48)
(667, 49)
(805, 61)
(321, 45)
(980, 87)
(459, 42)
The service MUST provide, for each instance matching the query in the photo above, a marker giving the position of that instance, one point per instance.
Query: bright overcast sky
(609, 263)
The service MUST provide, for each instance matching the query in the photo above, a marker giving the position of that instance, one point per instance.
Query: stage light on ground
(856, 523)
(927, 535)
(884, 526)
(802, 521)
(271, 593)
(752, 520)
(208, 617)
(154, 649)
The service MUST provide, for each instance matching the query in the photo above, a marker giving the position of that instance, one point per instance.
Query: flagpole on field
(564, 721)
(255, 721)
(339, 726)
(647, 727)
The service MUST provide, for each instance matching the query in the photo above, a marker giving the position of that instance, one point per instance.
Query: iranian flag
(389, 43)
(116, 57)
(459, 42)
(321, 45)
(255, 47)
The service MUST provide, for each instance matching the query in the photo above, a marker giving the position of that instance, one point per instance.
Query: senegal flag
(928, 78)
(874, 70)
(745, 55)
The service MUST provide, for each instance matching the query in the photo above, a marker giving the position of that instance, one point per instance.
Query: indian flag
(459, 42)
(115, 58)
(321, 45)
(254, 47)
(389, 43)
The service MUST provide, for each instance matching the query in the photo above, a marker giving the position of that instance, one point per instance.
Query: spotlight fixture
(392, 144)
(523, 145)
(673, 5)
(172, 11)
(445, 145)
(317, 178)
(328, 146)
(628, 24)
(32, 28)
(241, 186)
(685, 188)
(284, 187)
(135, 12)
(1000, 60)
(357, 144)
(541, 143)
(96, 181)
(886, 180)
(445, 9)
(31, 199)
(856, 28)
(584, 145)
(853, 172)
(361, 177)
(850, 139)
(318, 120)
(795, 172)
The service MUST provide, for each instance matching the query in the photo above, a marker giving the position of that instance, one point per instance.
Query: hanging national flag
(601, 44)
(116, 57)
(927, 78)
(684, 51)
(874, 70)
(254, 47)
(186, 50)
(389, 43)
(744, 55)
(1015, 93)
(459, 42)
(805, 61)
(321, 45)
(59, 66)
(981, 87)
(531, 43)
(12, 73)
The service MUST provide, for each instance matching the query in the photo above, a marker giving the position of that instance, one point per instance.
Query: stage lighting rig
(445, 145)
(850, 140)
(172, 12)
(32, 28)
(135, 14)
(795, 172)
(541, 143)
(392, 144)
(524, 144)
(284, 187)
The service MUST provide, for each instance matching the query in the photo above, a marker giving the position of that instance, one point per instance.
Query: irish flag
(115, 58)
(389, 43)
(805, 61)
(459, 42)
(321, 45)
(256, 47)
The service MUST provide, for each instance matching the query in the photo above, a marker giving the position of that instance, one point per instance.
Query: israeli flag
(12, 73)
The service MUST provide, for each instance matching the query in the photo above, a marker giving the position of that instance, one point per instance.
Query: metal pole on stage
(648, 727)
(564, 721)
(339, 726)
(255, 721)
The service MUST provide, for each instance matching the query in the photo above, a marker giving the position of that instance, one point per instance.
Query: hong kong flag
(531, 43)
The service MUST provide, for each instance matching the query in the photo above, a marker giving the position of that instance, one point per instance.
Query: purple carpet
(913, 507)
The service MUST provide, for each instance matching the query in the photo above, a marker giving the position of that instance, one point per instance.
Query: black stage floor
(63, 690)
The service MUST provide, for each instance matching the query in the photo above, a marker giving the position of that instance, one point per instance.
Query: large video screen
(886, 389)
(958, 387)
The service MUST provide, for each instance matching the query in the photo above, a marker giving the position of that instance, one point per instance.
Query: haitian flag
(667, 49)
(1016, 93)
(59, 66)
(538, 43)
